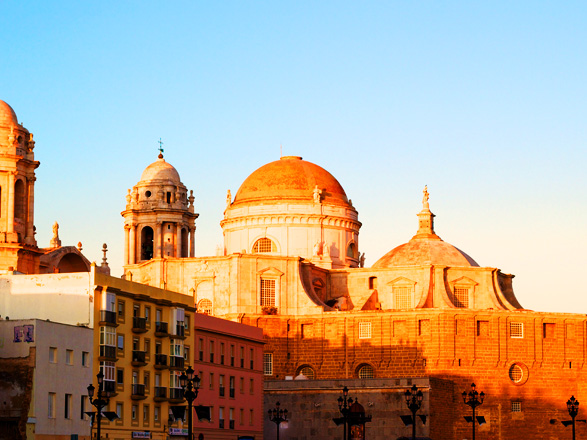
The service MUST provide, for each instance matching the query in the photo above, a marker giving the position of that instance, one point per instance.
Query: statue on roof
(317, 194)
(55, 241)
(425, 199)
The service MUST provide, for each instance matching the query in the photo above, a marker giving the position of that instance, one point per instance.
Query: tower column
(11, 176)
(30, 234)
(126, 244)
(133, 244)
(192, 241)
(157, 237)
(178, 243)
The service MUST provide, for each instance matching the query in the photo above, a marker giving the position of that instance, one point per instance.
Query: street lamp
(473, 399)
(277, 416)
(414, 401)
(573, 408)
(190, 385)
(344, 404)
(101, 401)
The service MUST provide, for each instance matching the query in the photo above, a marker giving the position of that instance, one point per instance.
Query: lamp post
(190, 385)
(473, 399)
(277, 416)
(573, 408)
(344, 404)
(414, 398)
(101, 401)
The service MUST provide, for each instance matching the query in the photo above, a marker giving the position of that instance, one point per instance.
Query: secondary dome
(160, 170)
(425, 248)
(291, 178)
(7, 115)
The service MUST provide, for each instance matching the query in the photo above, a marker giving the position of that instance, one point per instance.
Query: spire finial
(160, 148)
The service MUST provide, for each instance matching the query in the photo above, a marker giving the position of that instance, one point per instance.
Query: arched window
(19, 200)
(264, 246)
(205, 306)
(146, 243)
(366, 371)
(351, 251)
(307, 371)
(372, 283)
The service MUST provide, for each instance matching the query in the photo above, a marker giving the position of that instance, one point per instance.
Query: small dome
(291, 178)
(7, 115)
(418, 252)
(160, 170)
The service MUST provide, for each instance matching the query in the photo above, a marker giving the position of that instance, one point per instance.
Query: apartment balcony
(160, 394)
(138, 391)
(109, 386)
(175, 395)
(161, 329)
(108, 353)
(161, 361)
(179, 332)
(108, 318)
(139, 358)
(176, 362)
(139, 325)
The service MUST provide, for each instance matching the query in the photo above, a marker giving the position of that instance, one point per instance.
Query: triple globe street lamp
(277, 416)
(474, 399)
(190, 385)
(101, 401)
(414, 398)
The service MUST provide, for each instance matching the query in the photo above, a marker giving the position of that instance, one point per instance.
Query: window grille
(516, 406)
(402, 297)
(365, 330)
(308, 372)
(268, 364)
(267, 293)
(516, 330)
(424, 327)
(263, 245)
(461, 295)
(366, 372)
(516, 373)
(205, 306)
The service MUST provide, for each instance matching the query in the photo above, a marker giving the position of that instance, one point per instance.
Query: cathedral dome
(291, 178)
(7, 115)
(160, 170)
(425, 248)
(420, 252)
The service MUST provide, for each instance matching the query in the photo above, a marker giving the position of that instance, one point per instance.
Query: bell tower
(18, 247)
(159, 219)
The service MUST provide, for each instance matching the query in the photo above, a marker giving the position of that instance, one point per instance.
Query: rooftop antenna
(160, 148)
(280, 151)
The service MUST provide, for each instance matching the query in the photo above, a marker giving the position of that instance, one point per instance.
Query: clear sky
(485, 102)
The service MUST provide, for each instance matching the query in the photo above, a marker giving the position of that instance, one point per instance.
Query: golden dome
(291, 178)
(160, 170)
(7, 115)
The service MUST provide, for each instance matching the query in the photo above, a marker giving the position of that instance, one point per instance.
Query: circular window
(147, 194)
(518, 373)
(308, 372)
(366, 372)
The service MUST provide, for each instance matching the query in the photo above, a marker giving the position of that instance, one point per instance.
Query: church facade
(292, 266)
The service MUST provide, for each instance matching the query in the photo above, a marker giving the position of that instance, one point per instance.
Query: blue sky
(484, 102)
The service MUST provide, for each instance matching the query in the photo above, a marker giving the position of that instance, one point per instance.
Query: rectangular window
(231, 418)
(516, 407)
(147, 346)
(402, 297)
(119, 408)
(251, 358)
(201, 350)
(83, 406)
(232, 355)
(251, 418)
(307, 331)
(548, 330)
(365, 330)
(231, 387)
(242, 357)
(211, 351)
(483, 329)
(120, 342)
(53, 355)
(221, 417)
(148, 314)
(136, 310)
(67, 409)
(242, 385)
(221, 385)
(119, 376)
(222, 353)
(186, 324)
(186, 354)
(242, 417)
(85, 359)
(156, 412)
(461, 295)
(251, 386)
(108, 336)
(146, 412)
(69, 357)
(133, 414)
(109, 371)
(51, 405)
(121, 311)
(516, 330)
(268, 364)
(267, 293)
(211, 381)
